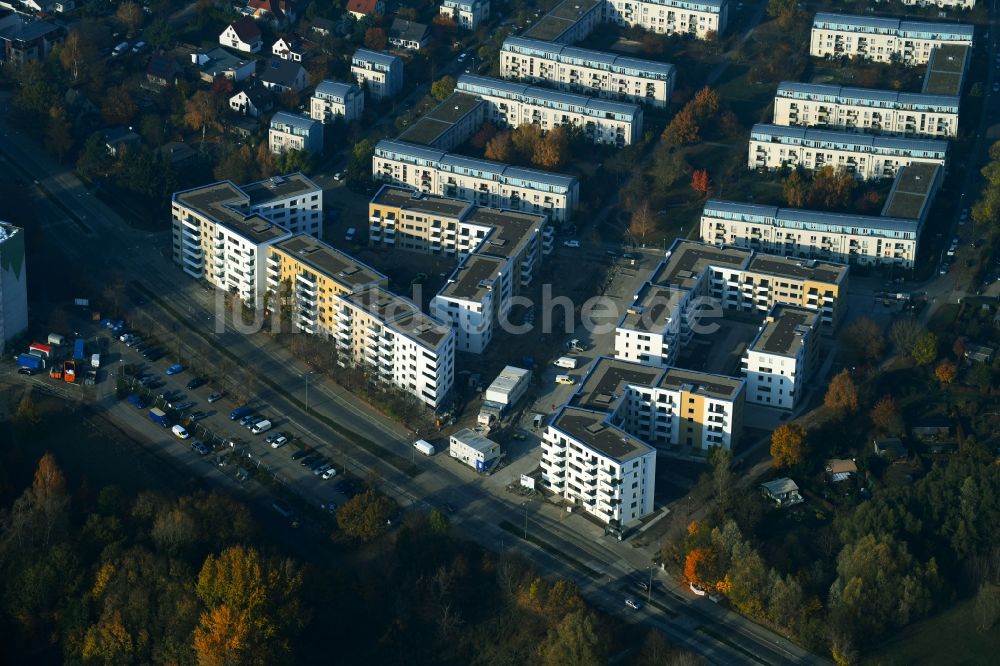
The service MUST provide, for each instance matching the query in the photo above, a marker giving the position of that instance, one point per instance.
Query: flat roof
(412, 200)
(911, 190)
(279, 187)
(652, 310)
(474, 440)
(227, 205)
(441, 118)
(946, 70)
(329, 261)
(469, 281)
(607, 380)
(687, 260)
(803, 269)
(400, 315)
(784, 330)
(562, 17)
(590, 429)
(701, 383)
(510, 229)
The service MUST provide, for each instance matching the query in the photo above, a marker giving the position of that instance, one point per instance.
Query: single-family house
(253, 101)
(783, 492)
(217, 62)
(979, 353)
(293, 131)
(291, 47)
(284, 75)
(891, 448)
(118, 139)
(323, 27)
(410, 35)
(242, 35)
(841, 469)
(277, 12)
(362, 8)
(162, 70)
(932, 429)
(177, 153)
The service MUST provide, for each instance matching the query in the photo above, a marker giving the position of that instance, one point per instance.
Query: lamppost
(306, 377)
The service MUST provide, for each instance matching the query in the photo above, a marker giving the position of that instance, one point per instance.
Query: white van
(566, 362)
(56, 340)
(424, 447)
(263, 426)
(138, 47)
(95, 361)
(180, 432)
(120, 49)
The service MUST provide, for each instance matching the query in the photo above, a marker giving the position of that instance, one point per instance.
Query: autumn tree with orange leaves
(946, 372)
(788, 445)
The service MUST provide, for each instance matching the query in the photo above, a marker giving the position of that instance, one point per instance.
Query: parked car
(197, 416)
(329, 474)
(200, 448)
(633, 604)
(176, 368)
(277, 440)
(322, 468)
(308, 460)
(261, 427)
(195, 383)
(571, 243)
(180, 432)
(248, 420)
(301, 453)
(565, 379)
(214, 397)
(349, 236)
(181, 406)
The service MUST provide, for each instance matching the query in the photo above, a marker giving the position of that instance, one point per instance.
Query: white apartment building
(333, 99)
(396, 342)
(568, 22)
(943, 4)
(378, 72)
(222, 232)
(449, 124)
(512, 104)
(780, 360)
(482, 182)
(13, 284)
(868, 157)
(883, 39)
(291, 131)
(859, 109)
(585, 71)
(467, 14)
(476, 295)
(700, 18)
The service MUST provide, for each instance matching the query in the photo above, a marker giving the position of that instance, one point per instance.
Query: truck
(566, 362)
(40, 350)
(78, 350)
(55, 339)
(490, 413)
(158, 416)
(31, 361)
(424, 447)
(69, 371)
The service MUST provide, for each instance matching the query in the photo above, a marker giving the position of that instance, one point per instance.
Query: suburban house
(362, 8)
(284, 75)
(23, 38)
(469, 14)
(841, 469)
(177, 153)
(323, 27)
(783, 492)
(253, 101)
(242, 35)
(216, 62)
(274, 11)
(118, 139)
(291, 131)
(162, 70)
(380, 72)
(291, 47)
(891, 448)
(936, 434)
(408, 35)
(979, 353)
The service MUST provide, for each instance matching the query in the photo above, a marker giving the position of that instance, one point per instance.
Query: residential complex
(380, 73)
(887, 239)
(666, 314)
(868, 157)
(222, 232)
(860, 109)
(585, 71)
(883, 39)
(474, 299)
(291, 131)
(333, 99)
(24, 38)
(449, 124)
(511, 104)
(482, 182)
(944, 4)
(570, 21)
(13, 284)
(782, 357)
(467, 14)
(703, 19)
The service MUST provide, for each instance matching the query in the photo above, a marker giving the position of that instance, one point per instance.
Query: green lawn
(948, 639)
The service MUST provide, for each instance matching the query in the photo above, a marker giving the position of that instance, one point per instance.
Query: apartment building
(860, 109)
(397, 343)
(222, 232)
(943, 4)
(306, 276)
(448, 125)
(868, 157)
(782, 357)
(883, 39)
(703, 19)
(333, 99)
(468, 14)
(291, 131)
(13, 284)
(568, 22)
(380, 73)
(586, 71)
(482, 182)
(473, 301)
(510, 104)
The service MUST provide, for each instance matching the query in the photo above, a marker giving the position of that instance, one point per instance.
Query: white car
(571, 243)
(180, 432)
(697, 589)
(278, 442)
(322, 468)
(633, 604)
(329, 474)
(349, 236)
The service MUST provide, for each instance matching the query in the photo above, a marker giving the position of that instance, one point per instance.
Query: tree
(525, 139)
(788, 445)
(981, 375)
(700, 181)
(222, 637)
(959, 347)
(865, 340)
(26, 416)
(886, 417)
(905, 333)
(443, 88)
(364, 516)
(118, 107)
(986, 608)
(71, 54)
(925, 349)
(831, 188)
(643, 222)
(129, 14)
(500, 148)
(946, 372)
(439, 522)
(722, 476)
(795, 189)
(59, 134)
(842, 395)
(705, 104)
(683, 129)
(574, 641)
(376, 39)
(550, 150)
(236, 166)
(201, 111)
(484, 135)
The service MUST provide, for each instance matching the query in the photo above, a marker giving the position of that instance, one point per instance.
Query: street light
(306, 377)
